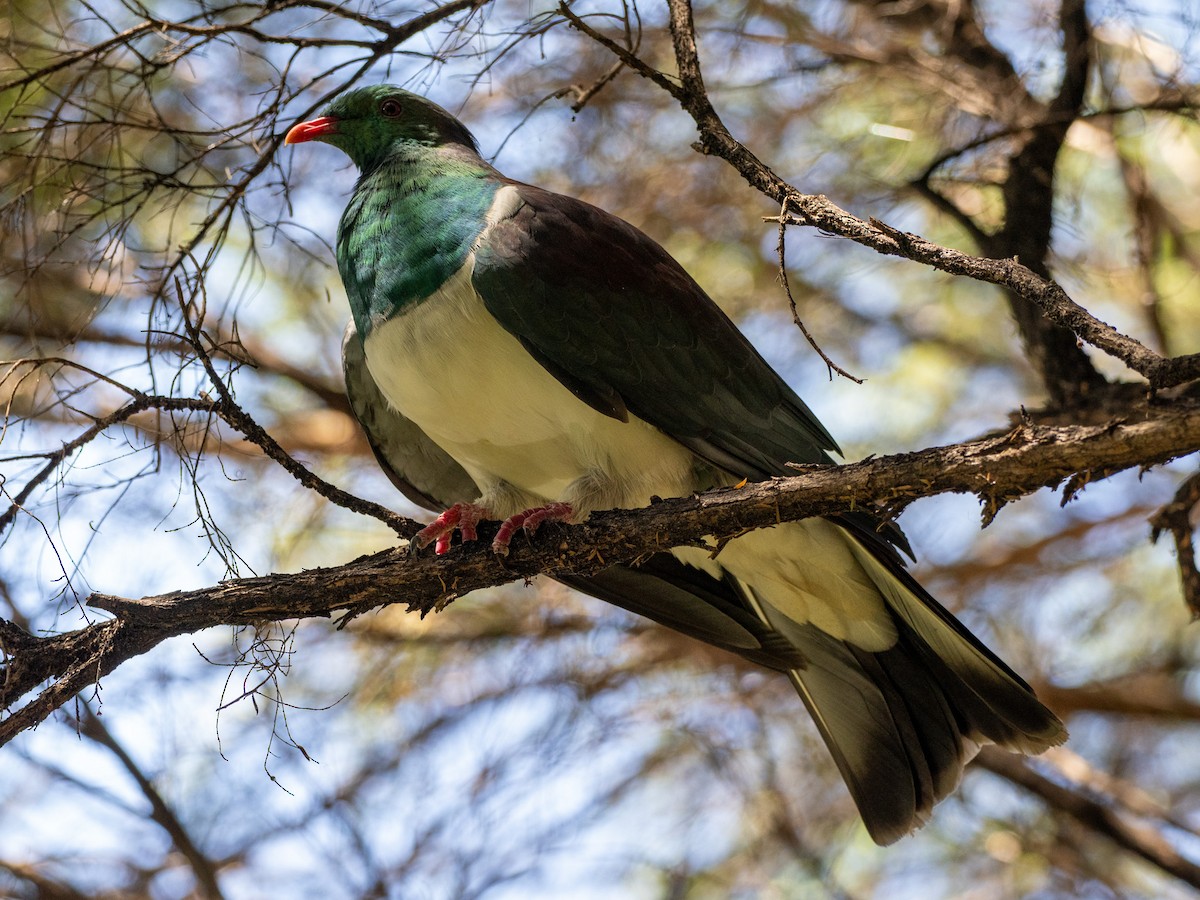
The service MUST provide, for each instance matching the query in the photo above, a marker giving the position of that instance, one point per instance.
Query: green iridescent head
(368, 124)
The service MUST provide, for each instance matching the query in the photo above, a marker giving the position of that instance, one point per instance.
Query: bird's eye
(391, 107)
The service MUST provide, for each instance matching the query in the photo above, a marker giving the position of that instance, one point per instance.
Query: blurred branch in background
(1101, 806)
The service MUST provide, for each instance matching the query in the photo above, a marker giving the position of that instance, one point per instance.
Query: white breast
(448, 366)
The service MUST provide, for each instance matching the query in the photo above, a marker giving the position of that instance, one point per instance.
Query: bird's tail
(903, 720)
(902, 693)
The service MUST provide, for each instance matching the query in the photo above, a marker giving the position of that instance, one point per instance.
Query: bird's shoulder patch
(505, 204)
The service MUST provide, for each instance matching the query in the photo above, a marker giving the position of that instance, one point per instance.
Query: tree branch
(1028, 193)
(203, 868)
(997, 469)
(1145, 695)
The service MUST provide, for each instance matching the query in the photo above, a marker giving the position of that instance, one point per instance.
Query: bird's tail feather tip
(902, 724)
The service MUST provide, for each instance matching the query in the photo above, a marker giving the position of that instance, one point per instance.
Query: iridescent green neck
(409, 226)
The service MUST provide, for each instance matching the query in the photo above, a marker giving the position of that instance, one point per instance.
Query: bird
(520, 355)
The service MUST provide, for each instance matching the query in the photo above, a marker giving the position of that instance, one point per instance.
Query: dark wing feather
(419, 468)
(889, 725)
(692, 602)
(619, 322)
(610, 314)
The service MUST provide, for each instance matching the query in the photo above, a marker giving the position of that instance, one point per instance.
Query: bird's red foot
(461, 517)
(529, 520)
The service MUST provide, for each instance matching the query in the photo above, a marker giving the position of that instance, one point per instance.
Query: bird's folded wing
(610, 314)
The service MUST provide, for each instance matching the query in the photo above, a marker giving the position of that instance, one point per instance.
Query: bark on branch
(996, 469)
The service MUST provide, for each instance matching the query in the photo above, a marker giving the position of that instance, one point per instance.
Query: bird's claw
(461, 517)
(529, 520)
(464, 517)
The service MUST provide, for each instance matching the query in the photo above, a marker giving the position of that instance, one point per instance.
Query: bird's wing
(614, 318)
(418, 467)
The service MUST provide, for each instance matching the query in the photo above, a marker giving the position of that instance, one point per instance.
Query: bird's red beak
(311, 130)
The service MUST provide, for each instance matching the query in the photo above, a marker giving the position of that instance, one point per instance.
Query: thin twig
(781, 251)
(55, 458)
(233, 413)
(1176, 517)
